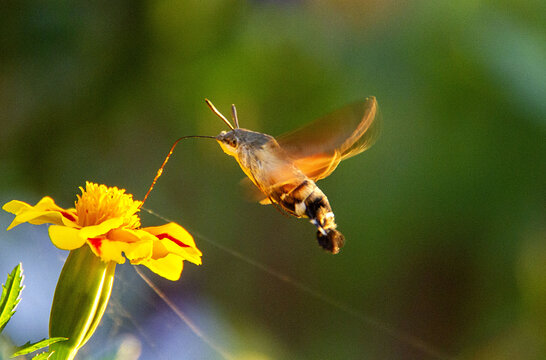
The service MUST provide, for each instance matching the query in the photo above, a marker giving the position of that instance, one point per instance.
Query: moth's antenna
(234, 115)
(214, 110)
(160, 171)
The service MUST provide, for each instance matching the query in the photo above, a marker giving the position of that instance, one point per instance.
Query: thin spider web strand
(194, 328)
(405, 338)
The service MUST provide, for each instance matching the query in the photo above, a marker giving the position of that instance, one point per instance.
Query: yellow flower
(106, 219)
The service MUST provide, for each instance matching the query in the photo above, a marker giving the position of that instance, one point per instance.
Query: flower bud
(80, 300)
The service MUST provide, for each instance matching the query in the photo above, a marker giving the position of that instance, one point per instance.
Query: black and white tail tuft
(332, 241)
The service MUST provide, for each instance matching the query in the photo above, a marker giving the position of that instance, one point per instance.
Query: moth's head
(232, 141)
(229, 141)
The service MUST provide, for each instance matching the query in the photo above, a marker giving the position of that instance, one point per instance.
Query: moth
(285, 169)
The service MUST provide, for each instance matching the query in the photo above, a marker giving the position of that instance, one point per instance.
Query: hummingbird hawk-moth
(285, 169)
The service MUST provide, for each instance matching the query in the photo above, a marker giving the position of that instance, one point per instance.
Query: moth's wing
(265, 186)
(252, 193)
(271, 173)
(318, 147)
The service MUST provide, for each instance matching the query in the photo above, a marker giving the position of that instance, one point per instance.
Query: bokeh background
(445, 216)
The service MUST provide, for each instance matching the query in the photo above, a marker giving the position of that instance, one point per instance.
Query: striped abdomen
(307, 200)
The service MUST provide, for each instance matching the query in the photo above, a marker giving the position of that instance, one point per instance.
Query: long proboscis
(160, 171)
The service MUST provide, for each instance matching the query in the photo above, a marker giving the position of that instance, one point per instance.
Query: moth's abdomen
(307, 200)
(319, 211)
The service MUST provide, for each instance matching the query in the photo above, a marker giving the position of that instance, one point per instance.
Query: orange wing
(318, 147)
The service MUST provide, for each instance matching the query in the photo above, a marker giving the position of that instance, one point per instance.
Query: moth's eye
(230, 141)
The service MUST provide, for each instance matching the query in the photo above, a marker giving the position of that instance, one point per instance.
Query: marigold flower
(106, 219)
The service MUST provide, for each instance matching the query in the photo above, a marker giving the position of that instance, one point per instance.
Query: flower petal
(101, 229)
(45, 211)
(175, 231)
(139, 244)
(108, 250)
(169, 267)
(174, 239)
(65, 238)
(139, 251)
(130, 236)
(123, 235)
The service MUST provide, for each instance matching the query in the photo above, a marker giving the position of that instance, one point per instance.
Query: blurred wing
(270, 172)
(318, 147)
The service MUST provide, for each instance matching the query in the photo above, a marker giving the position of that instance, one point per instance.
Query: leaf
(10, 295)
(43, 356)
(28, 347)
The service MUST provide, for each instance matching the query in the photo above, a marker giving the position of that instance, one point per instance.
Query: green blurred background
(444, 217)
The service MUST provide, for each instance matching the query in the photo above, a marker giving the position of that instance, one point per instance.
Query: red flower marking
(175, 240)
(68, 216)
(65, 214)
(96, 243)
